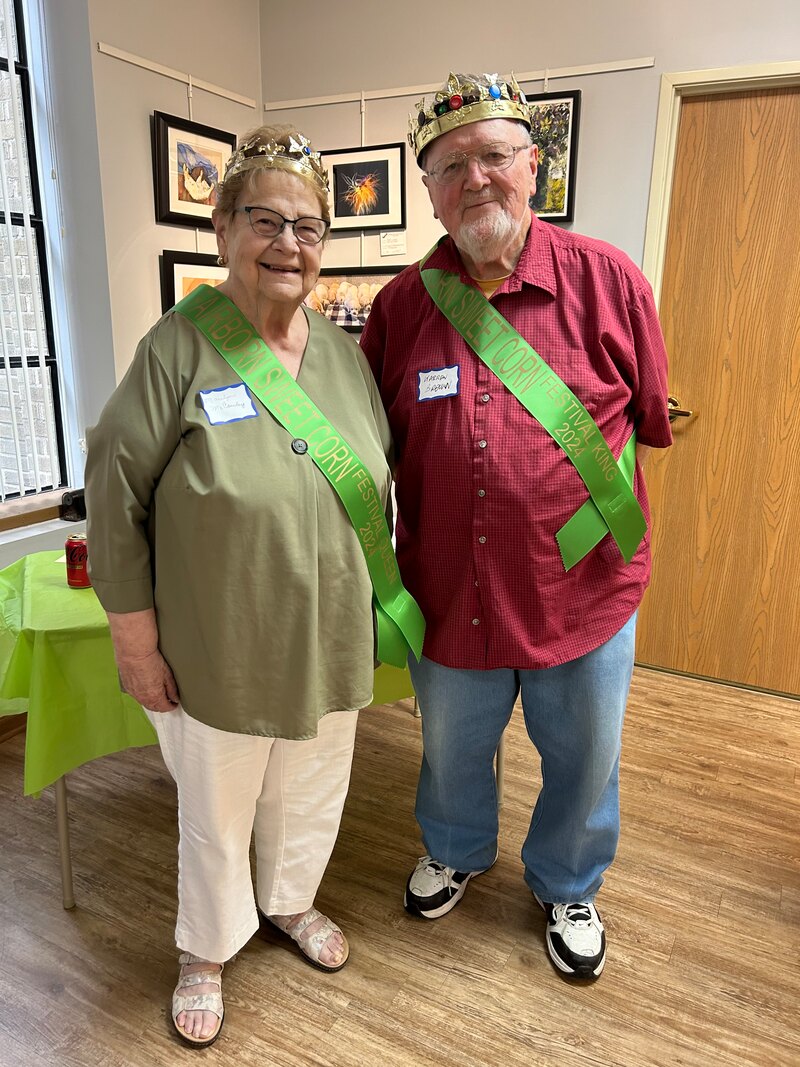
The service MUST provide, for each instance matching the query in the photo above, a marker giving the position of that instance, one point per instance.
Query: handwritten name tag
(229, 403)
(442, 381)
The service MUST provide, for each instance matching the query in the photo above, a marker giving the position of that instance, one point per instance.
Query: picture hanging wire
(190, 102)
(361, 249)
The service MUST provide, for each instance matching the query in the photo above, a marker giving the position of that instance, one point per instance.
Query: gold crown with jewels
(466, 98)
(296, 156)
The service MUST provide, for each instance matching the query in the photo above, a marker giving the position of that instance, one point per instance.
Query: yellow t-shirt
(489, 285)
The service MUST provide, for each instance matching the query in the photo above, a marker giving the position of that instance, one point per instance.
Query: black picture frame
(182, 271)
(344, 312)
(379, 168)
(555, 121)
(177, 144)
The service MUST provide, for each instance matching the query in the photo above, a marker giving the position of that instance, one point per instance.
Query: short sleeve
(651, 412)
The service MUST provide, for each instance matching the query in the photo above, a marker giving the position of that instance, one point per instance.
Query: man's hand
(150, 681)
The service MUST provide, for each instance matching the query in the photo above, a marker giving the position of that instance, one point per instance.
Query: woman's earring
(222, 261)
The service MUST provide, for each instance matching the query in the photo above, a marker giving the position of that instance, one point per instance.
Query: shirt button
(482, 540)
(481, 444)
(476, 622)
(299, 446)
(481, 492)
(485, 398)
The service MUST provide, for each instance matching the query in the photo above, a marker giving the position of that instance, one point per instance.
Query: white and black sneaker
(433, 889)
(576, 939)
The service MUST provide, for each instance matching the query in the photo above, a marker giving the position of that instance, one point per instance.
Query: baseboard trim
(10, 725)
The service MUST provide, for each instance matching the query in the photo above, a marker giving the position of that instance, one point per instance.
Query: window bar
(14, 429)
(14, 274)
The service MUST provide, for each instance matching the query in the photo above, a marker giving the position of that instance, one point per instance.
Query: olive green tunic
(261, 590)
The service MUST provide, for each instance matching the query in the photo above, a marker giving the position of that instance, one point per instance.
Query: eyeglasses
(495, 156)
(268, 223)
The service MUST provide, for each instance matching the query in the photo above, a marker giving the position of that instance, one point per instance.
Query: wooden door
(725, 597)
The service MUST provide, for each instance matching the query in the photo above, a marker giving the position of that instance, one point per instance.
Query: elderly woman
(237, 590)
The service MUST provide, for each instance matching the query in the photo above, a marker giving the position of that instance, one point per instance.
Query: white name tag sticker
(229, 403)
(441, 381)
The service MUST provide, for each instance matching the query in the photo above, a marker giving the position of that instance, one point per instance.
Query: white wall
(67, 146)
(212, 41)
(351, 46)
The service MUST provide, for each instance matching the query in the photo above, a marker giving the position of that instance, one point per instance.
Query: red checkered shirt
(482, 488)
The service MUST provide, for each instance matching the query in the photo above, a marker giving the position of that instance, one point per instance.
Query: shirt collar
(535, 266)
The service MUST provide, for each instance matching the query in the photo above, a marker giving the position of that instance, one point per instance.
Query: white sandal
(198, 1001)
(312, 945)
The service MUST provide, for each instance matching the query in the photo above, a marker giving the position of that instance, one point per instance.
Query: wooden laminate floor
(702, 909)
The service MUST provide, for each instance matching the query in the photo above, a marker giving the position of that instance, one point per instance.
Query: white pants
(288, 794)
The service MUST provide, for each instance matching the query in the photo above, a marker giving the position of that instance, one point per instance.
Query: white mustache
(475, 201)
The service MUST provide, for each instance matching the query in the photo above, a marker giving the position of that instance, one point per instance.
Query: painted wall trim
(176, 75)
(420, 90)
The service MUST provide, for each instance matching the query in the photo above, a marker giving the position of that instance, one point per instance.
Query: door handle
(676, 411)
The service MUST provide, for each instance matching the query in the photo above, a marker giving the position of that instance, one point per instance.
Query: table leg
(62, 822)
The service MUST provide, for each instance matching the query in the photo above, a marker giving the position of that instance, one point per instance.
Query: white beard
(486, 238)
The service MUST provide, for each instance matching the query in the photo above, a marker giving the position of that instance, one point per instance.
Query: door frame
(674, 88)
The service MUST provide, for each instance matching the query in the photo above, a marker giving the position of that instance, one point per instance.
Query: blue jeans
(573, 715)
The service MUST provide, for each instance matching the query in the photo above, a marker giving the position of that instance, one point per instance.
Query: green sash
(612, 505)
(400, 622)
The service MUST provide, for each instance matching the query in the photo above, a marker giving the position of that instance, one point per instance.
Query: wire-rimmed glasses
(495, 156)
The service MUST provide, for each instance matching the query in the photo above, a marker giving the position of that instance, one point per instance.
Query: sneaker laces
(438, 868)
(576, 913)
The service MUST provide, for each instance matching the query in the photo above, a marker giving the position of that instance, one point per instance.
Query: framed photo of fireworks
(555, 119)
(368, 187)
(345, 294)
(188, 165)
(181, 272)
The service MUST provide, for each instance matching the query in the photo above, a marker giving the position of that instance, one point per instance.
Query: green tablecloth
(57, 662)
(56, 655)
(391, 683)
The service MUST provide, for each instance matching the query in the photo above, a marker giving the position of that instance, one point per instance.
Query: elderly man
(522, 368)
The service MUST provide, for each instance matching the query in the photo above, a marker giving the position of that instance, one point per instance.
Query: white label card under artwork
(229, 403)
(441, 381)
(393, 242)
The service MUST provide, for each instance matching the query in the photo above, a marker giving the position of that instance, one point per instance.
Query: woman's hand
(143, 671)
(149, 681)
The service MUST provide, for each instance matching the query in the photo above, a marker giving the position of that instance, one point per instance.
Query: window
(32, 450)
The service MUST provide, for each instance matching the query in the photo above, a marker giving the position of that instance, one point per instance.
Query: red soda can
(77, 571)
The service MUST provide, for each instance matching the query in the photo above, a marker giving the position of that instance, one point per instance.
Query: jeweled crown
(296, 155)
(466, 98)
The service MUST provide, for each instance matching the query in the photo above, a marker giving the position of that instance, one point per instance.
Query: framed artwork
(188, 165)
(555, 118)
(368, 187)
(181, 272)
(345, 294)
